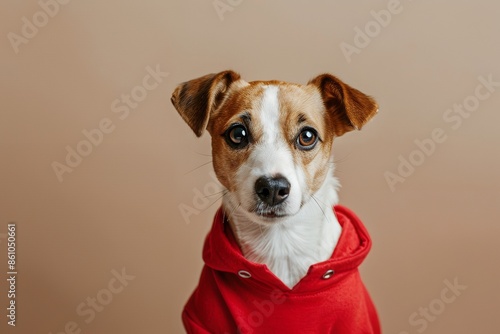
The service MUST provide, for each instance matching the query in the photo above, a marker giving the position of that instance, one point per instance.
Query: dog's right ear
(196, 99)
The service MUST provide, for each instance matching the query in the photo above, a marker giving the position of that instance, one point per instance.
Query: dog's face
(271, 140)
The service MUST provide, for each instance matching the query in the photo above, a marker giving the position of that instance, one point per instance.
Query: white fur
(309, 232)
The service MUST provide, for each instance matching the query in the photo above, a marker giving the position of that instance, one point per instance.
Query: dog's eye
(307, 139)
(237, 136)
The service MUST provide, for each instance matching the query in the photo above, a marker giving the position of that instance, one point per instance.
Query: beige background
(119, 208)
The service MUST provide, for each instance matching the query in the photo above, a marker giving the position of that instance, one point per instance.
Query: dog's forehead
(290, 99)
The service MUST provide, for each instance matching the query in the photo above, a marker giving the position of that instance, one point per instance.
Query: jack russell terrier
(282, 256)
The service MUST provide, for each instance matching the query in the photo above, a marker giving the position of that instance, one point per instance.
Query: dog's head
(271, 140)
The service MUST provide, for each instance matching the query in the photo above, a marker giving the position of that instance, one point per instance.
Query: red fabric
(224, 302)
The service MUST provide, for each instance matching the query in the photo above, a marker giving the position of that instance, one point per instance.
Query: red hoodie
(235, 295)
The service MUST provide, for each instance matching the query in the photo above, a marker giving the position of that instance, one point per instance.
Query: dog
(282, 255)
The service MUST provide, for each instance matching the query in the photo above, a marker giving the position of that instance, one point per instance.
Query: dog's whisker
(234, 209)
(224, 194)
(224, 211)
(342, 159)
(319, 206)
(204, 154)
(319, 200)
(215, 193)
(192, 170)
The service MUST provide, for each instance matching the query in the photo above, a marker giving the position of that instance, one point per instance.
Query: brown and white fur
(279, 192)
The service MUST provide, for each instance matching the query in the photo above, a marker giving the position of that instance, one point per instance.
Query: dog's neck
(290, 247)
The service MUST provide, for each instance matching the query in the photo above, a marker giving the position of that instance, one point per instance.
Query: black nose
(272, 190)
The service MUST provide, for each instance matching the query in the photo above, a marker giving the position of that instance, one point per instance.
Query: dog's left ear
(349, 107)
(196, 99)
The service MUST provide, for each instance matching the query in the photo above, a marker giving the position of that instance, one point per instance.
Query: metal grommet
(244, 274)
(328, 274)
